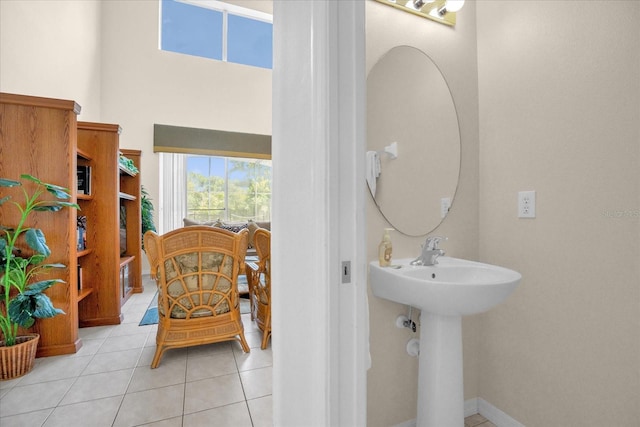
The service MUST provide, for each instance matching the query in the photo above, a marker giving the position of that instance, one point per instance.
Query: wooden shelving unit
(42, 137)
(38, 137)
(130, 200)
(113, 193)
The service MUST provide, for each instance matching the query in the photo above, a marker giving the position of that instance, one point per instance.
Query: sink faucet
(430, 251)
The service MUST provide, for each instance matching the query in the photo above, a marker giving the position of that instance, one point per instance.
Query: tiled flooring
(477, 420)
(109, 382)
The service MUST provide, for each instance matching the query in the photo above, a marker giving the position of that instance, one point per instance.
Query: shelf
(127, 171)
(83, 293)
(83, 155)
(84, 252)
(126, 196)
(84, 196)
(126, 259)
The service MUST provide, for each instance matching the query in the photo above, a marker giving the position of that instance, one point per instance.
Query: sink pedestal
(440, 384)
(444, 293)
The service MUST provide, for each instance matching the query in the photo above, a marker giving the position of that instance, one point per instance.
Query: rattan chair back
(260, 284)
(196, 269)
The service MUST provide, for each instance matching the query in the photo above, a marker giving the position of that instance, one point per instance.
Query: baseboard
(470, 407)
(410, 423)
(495, 415)
(482, 407)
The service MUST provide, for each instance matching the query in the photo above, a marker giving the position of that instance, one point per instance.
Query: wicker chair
(196, 270)
(259, 278)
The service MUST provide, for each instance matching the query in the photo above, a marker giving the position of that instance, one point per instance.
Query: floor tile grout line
(101, 346)
(184, 391)
(244, 393)
(133, 371)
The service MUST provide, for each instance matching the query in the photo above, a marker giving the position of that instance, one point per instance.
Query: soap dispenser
(385, 248)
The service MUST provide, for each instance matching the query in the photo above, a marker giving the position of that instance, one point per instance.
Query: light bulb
(454, 5)
(417, 4)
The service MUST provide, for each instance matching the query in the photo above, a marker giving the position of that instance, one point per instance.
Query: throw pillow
(231, 227)
(188, 222)
(252, 226)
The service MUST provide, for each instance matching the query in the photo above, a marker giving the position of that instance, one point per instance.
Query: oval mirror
(409, 103)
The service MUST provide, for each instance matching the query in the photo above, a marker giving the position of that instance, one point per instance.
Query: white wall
(392, 380)
(560, 114)
(52, 49)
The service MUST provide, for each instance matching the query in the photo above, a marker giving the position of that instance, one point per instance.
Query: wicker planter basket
(17, 360)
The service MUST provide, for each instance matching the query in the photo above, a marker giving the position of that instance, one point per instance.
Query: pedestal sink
(444, 293)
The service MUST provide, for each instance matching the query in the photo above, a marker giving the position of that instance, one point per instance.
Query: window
(216, 30)
(227, 188)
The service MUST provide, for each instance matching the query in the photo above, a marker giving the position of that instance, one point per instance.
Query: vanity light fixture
(442, 11)
(417, 4)
(450, 6)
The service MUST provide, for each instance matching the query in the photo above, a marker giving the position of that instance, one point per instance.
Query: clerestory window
(217, 30)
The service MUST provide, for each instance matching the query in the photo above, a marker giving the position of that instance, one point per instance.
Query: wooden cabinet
(42, 137)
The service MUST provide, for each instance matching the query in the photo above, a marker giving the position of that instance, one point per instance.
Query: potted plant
(23, 250)
(147, 213)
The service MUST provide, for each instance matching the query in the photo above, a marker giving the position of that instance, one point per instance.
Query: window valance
(177, 139)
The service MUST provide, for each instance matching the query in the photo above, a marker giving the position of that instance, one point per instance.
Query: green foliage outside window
(248, 191)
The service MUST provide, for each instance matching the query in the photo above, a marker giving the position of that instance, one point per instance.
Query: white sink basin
(453, 287)
(444, 292)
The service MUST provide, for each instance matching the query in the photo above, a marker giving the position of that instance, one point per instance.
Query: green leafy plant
(147, 213)
(22, 301)
(127, 163)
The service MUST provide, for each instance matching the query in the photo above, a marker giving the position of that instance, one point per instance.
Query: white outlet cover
(527, 204)
(445, 205)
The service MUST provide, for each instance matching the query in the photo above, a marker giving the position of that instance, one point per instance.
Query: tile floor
(477, 420)
(109, 382)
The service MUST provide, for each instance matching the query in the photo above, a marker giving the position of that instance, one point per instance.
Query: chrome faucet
(430, 251)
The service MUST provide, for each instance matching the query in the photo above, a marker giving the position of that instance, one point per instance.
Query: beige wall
(559, 95)
(52, 49)
(392, 380)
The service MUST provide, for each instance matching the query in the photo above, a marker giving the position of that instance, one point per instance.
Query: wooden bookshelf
(38, 137)
(42, 137)
(101, 142)
(130, 199)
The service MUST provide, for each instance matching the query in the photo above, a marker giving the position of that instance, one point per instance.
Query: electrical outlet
(445, 205)
(527, 204)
